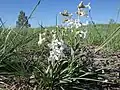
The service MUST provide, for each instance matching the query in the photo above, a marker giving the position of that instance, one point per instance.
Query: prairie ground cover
(71, 56)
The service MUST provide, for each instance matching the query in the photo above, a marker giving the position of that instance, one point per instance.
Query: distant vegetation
(22, 20)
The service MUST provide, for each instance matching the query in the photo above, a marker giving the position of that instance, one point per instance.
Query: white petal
(80, 35)
(88, 6)
(56, 57)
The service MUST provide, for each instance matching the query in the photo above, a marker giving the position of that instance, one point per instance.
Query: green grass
(99, 34)
(21, 57)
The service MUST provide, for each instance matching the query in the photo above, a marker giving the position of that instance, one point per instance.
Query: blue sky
(102, 10)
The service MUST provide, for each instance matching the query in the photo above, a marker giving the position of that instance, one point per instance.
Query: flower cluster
(56, 50)
(81, 7)
(66, 13)
(59, 50)
(69, 22)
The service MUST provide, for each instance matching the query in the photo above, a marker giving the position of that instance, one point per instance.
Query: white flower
(81, 9)
(56, 57)
(59, 43)
(58, 51)
(88, 6)
(81, 5)
(62, 48)
(77, 32)
(65, 13)
(32, 77)
(84, 34)
(53, 31)
(55, 41)
(57, 48)
(53, 58)
(78, 25)
(54, 36)
(40, 39)
(80, 35)
(51, 53)
(81, 13)
(65, 20)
